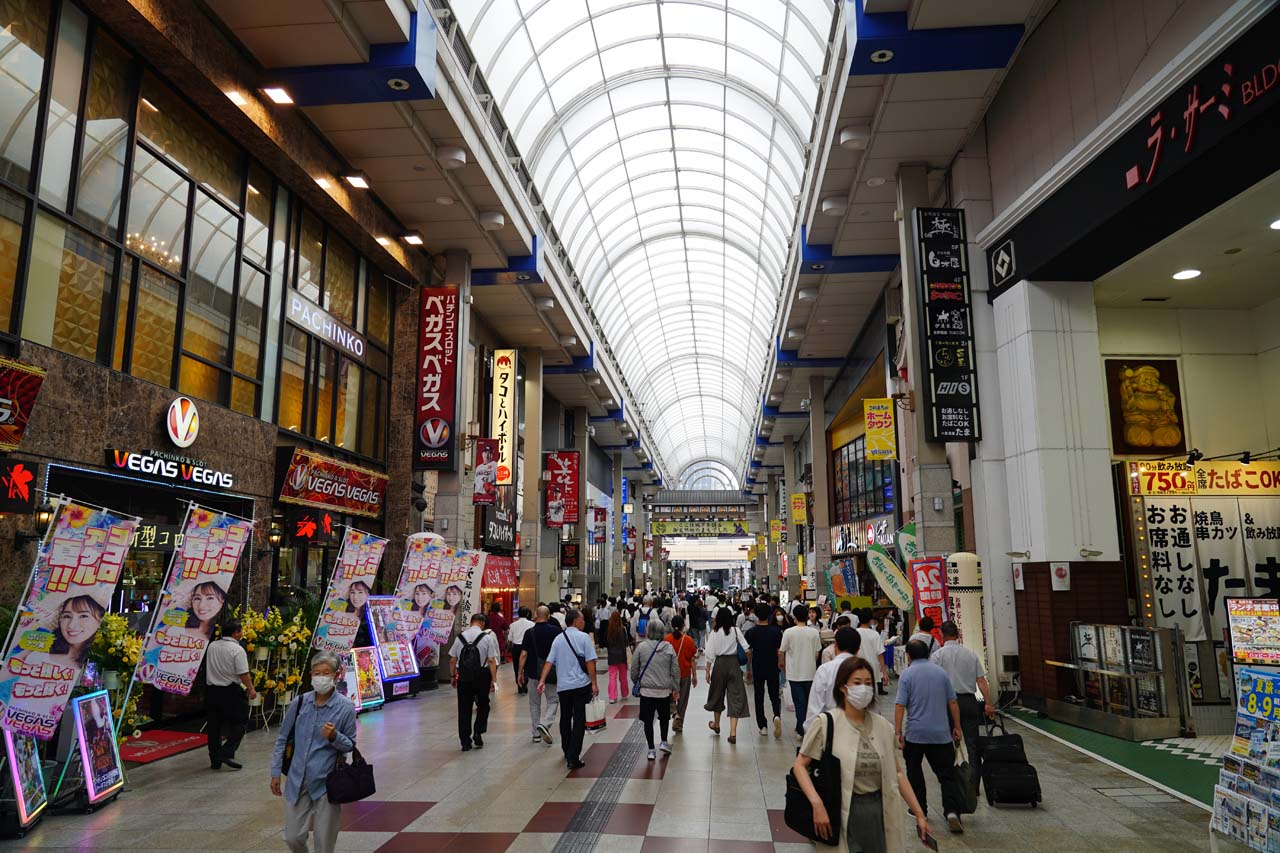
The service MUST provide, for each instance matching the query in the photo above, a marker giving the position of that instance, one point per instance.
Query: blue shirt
(925, 690)
(313, 755)
(569, 674)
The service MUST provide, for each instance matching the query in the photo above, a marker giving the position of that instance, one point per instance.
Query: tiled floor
(707, 797)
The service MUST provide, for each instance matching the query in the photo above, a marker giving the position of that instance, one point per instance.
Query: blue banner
(1259, 694)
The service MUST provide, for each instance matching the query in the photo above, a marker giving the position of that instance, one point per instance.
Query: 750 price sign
(1161, 477)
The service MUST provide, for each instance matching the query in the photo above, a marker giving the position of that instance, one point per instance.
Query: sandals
(733, 739)
(713, 727)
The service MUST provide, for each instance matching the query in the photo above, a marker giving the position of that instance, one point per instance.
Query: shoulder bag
(635, 687)
(825, 776)
(287, 760)
(350, 782)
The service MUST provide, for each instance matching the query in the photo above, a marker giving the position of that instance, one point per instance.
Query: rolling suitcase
(1011, 783)
(1004, 747)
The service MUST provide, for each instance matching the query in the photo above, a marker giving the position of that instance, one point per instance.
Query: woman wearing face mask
(323, 725)
(871, 812)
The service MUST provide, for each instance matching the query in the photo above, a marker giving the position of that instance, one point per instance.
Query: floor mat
(158, 744)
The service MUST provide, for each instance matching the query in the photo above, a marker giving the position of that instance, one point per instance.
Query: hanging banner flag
(72, 582)
(437, 379)
(485, 489)
(890, 577)
(1171, 555)
(416, 590)
(1261, 523)
(882, 437)
(19, 386)
(929, 587)
(799, 508)
(906, 542)
(349, 589)
(648, 549)
(562, 492)
(199, 575)
(1215, 526)
(457, 584)
(775, 530)
(502, 413)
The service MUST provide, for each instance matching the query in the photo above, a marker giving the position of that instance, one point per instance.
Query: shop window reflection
(249, 321)
(23, 44)
(293, 379)
(211, 283)
(257, 216)
(12, 216)
(67, 287)
(244, 396)
(200, 380)
(167, 123)
(310, 256)
(122, 314)
(157, 212)
(155, 330)
(64, 106)
(340, 280)
(326, 368)
(108, 107)
(379, 311)
(345, 421)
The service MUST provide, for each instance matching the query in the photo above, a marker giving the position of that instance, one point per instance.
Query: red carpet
(158, 744)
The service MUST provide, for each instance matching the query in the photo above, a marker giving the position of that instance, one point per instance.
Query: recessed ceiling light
(359, 180)
(1183, 275)
(444, 200)
(322, 183)
(237, 98)
(277, 95)
(413, 238)
(253, 190)
(1275, 226)
(383, 241)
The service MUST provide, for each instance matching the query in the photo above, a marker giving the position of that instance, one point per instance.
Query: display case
(397, 662)
(1127, 682)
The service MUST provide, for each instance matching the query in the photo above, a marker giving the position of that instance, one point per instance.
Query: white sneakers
(652, 755)
(545, 734)
(665, 747)
(777, 727)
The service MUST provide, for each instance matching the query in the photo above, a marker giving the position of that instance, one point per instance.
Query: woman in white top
(724, 675)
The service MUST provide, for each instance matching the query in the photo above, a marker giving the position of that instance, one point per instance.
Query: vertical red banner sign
(434, 440)
(563, 466)
(929, 584)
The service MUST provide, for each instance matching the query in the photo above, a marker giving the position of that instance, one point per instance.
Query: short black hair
(480, 619)
(231, 626)
(926, 624)
(917, 650)
(848, 640)
(800, 613)
(950, 629)
(762, 612)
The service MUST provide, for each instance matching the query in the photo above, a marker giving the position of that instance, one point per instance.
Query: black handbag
(825, 776)
(348, 783)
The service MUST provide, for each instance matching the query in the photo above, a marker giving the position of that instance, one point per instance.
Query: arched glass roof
(667, 140)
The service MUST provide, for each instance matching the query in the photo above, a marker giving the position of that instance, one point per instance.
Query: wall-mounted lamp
(275, 536)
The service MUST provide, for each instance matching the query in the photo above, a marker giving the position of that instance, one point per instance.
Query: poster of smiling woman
(75, 573)
(349, 589)
(194, 593)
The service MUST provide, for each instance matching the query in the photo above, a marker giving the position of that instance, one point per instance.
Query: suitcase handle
(993, 725)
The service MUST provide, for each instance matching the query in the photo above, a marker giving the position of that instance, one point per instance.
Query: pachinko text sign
(75, 575)
(191, 606)
(929, 588)
(436, 404)
(349, 590)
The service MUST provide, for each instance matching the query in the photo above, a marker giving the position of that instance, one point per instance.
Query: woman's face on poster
(358, 594)
(206, 604)
(422, 596)
(452, 596)
(78, 625)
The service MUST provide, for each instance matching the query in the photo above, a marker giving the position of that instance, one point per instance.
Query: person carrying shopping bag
(724, 674)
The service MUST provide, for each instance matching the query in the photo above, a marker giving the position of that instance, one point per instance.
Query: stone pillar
(791, 484)
(926, 469)
(617, 568)
(531, 506)
(581, 443)
(454, 512)
(821, 475)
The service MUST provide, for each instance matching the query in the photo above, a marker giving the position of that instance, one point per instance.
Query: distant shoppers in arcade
(498, 625)
(319, 726)
(515, 642)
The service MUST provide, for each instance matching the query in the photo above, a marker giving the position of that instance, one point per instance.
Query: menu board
(1254, 625)
(395, 651)
(1086, 640)
(1112, 647)
(1143, 654)
(1147, 696)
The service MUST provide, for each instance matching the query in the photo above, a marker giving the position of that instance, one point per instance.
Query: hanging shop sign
(699, 528)
(318, 481)
(310, 526)
(627, 546)
(775, 530)
(19, 386)
(860, 535)
(17, 489)
(501, 574)
(350, 584)
(882, 436)
(1255, 630)
(648, 549)
(434, 439)
(907, 542)
(799, 509)
(946, 318)
(158, 465)
(1168, 556)
(893, 582)
(1164, 477)
(563, 468)
(182, 422)
(929, 588)
(310, 316)
(570, 555)
(192, 598)
(502, 413)
(74, 576)
(500, 520)
(484, 489)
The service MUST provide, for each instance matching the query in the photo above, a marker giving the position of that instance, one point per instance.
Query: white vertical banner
(502, 414)
(1220, 551)
(1260, 520)
(1174, 573)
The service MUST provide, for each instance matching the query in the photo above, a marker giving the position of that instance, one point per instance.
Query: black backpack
(470, 665)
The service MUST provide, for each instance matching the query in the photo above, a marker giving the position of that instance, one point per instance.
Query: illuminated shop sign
(313, 318)
(164, 466)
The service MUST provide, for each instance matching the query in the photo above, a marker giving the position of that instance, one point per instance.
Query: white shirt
(719, 643)
(801, 645)
(824, 680)
(602, 616)
(515, 634)
(559, 617)
(871, 650)
(928, 639)
(488, 645)
(225, 662)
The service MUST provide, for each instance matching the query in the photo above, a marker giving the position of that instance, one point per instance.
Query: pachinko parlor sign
(74, 576)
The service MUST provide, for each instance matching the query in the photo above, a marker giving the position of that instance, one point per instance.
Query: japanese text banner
(349, 588)
(1220, 555)
(457, 592)
(75, 574)
(1174, 572)
(194, 594)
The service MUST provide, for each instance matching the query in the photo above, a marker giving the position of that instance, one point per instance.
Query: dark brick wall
(1097, 595)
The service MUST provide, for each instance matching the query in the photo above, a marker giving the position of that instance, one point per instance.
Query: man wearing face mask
(820, 697)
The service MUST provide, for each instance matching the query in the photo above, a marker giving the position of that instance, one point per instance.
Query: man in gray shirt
(965, 670)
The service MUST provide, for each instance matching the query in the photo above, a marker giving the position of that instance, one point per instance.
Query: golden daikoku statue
(1149, 409)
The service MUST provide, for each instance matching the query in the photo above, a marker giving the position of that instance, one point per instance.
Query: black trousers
(649, 707)
(941, 757)
(759, 683)
(515, 669)
(800, 697)
(473, 693)
(970, 720)
(573, 721)
(227, 710)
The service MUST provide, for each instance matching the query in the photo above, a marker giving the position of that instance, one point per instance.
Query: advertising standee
(349, 589)
(929, 587)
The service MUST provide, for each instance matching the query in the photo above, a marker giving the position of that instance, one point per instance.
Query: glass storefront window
(68, 288)
(211, 285)
(158, 203)
(326, 370)
(293, 378)
(379, 312)
(244, 397)
(107, 112)
(24, 42)
(340, 280)
(345, 422)
(64, 106)
(371, 416)
(156, 327)
(122, 313)
(200, 380)
(12, 215)
(257, 216)
(310, 256)
(860, 483)
(249, 321)
(167, 123)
